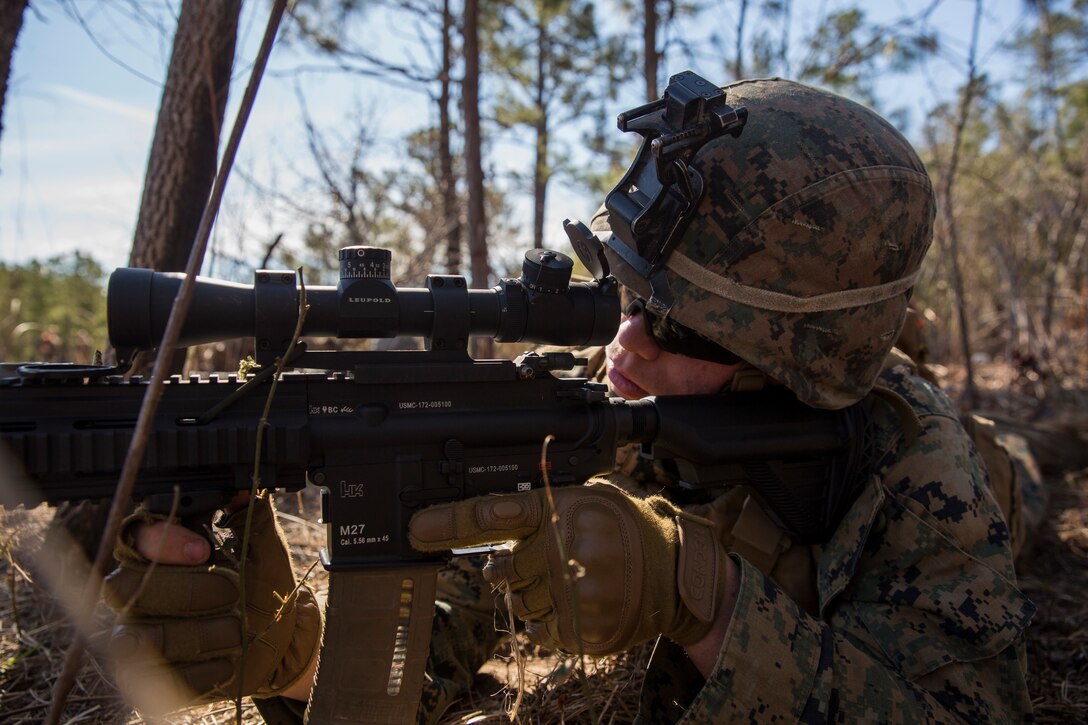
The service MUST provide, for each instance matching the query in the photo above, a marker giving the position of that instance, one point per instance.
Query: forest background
(360, 136)
(460, 133)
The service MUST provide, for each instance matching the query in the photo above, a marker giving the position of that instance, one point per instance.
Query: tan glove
(642, 567)
(179, 636)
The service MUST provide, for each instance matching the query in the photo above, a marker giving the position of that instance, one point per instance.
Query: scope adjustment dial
(543, 270)
(365, 262)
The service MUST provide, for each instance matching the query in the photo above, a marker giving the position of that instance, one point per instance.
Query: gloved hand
(182, 625)
(642, 567)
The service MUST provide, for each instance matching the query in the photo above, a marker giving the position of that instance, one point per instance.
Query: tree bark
(540, 180)
(11, 22)
(738, 63)
(182, 162)
(451, 213)
(540, 164)
(474, 171)
(649, 48)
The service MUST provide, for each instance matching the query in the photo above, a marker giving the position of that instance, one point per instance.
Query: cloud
(125, 110)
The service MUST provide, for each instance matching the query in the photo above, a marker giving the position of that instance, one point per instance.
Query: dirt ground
(34, 630)
(1055, 575)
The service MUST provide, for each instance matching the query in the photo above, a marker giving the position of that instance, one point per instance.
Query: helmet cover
(803, 251)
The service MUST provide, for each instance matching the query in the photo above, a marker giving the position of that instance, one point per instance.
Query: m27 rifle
(385, 433)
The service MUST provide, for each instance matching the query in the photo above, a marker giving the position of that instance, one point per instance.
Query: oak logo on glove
(697, 577)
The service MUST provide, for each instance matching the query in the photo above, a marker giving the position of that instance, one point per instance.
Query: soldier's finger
(168, 543)
(513, 571)
(159, 688)
(532, 605)
(538, 633)
(478, 521)
(176, 640)
(181, 592)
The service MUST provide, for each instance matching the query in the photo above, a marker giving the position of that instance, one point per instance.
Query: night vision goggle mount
(654, 202)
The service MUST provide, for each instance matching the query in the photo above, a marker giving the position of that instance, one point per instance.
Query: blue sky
(78, 124)
(74, 141)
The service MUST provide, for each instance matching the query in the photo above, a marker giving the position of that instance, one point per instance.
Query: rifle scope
(542, 306)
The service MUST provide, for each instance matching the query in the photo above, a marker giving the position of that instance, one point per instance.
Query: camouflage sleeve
(920, 619)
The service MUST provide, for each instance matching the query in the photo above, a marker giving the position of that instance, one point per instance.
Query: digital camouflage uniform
(910, 613)
(1010, 461)
(800, 259)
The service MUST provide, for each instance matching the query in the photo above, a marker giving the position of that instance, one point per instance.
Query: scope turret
(546, 271)
(365, 263)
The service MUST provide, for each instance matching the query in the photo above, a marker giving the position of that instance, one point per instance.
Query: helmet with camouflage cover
(802, 253)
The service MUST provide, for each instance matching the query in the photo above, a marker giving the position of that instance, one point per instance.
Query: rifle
(385, 433)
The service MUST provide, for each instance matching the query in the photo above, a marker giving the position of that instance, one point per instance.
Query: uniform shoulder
(900, 376)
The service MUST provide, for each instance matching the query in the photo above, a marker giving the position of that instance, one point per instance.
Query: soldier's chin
(624, 386)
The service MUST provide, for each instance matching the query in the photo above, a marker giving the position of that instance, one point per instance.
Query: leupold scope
(542, 306)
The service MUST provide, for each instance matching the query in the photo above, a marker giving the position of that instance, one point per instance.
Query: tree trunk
(738, 63)
(451, 213)
(970, 393)
(184, 152)
(540, 164)
(180, 171)
(784, 44)
(11, 22)
(540, 179)
(474, 171)
(649, 48)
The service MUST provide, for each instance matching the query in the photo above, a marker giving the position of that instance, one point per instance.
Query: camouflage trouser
(464, 636)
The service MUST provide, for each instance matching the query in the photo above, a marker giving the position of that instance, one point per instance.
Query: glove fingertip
(432, 529)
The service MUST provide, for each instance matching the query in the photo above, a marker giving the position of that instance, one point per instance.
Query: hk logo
(350, 490)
